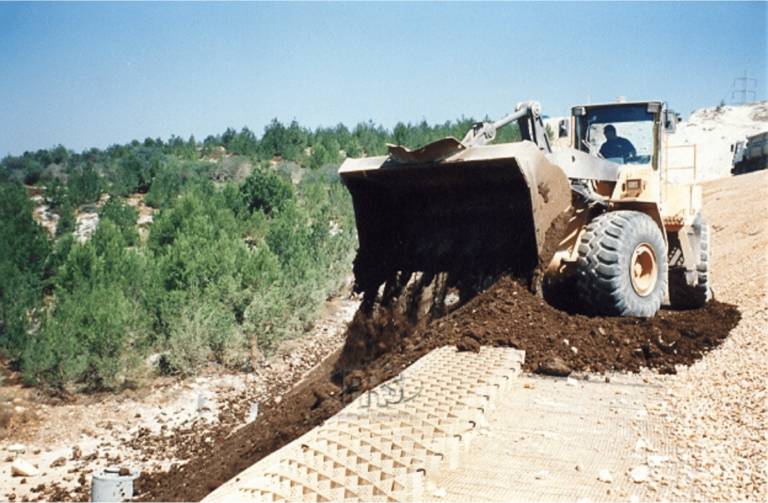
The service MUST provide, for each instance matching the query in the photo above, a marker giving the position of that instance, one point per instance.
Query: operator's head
(610, 132)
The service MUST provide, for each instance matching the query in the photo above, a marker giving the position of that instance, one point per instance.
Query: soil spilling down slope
(383, 341)
(509, 315)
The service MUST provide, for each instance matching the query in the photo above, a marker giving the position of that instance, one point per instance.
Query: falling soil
(383, 340)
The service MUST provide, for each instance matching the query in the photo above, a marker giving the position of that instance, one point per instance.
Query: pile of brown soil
(383, 340)
(509, 315)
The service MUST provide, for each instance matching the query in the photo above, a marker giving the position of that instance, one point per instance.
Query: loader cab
(639, 124)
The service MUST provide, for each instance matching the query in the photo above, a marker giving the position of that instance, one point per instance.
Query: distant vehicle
(750, 154)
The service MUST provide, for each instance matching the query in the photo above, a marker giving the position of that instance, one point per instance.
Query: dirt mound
(510, 315)
(380, 343)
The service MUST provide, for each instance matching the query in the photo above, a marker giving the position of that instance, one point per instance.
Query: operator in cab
(616, 146)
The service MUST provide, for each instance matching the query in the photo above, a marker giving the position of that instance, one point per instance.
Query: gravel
(719, 405)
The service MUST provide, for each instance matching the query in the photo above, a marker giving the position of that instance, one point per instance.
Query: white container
(109, 485)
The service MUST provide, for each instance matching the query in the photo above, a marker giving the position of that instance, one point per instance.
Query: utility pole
(744, 88)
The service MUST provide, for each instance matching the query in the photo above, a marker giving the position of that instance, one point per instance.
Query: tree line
(250, 236)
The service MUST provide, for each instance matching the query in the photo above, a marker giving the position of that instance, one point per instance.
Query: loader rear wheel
(681, 294)
(622, 265)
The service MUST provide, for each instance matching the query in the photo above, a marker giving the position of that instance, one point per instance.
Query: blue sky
(94, 74)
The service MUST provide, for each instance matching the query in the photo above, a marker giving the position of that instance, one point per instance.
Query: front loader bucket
(482, 210)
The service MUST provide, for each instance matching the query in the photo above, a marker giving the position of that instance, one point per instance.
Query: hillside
(713, 131)
(166, 423)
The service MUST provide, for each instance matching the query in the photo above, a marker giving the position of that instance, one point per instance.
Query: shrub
(58, 256)
(243, 143)
(372, 139)
(286, 142)
(124, 216)
(230, 168)
(180, 149)
(25, 169)
(266, 192)
(203, 330)
(138, 168)
(23, 242)
(84, 185)
(24, 251)
(195, 170)
(165, 187)
(55, 193)
(325, 153)
(80, 269)
(95, 338)
(67, 220)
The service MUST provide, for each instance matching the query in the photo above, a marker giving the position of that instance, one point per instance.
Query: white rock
(656, 460)
(605, 476)
(17, 448)
(542, 475)
(254, 412)
(639, 474)
(571, 381)
(440, 493)
(640, 445)
(23, 468)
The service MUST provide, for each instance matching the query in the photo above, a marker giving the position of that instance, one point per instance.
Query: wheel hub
(644, 269)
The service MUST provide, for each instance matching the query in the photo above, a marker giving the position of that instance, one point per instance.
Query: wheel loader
(625, 239)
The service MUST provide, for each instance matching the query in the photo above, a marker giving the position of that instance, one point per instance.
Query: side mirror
(670, 121)
(564, 128)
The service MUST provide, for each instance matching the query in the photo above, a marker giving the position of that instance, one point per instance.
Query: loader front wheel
(622, 265)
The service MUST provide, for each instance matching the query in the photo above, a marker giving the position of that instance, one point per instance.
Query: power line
(744, 91)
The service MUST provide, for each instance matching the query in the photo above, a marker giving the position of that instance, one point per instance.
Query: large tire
(622, 265)
(681, 294)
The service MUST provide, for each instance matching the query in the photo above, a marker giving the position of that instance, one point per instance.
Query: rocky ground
(719, 403)
(64, 438)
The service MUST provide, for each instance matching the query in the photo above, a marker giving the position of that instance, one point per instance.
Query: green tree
(286, 142)
(25, 168)
(371, 139)
(93, 337)
(166, 185)
(67, 219)
(24, 251)
(137, 169)
(84, 185)
(124, 216)
(266, 192)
